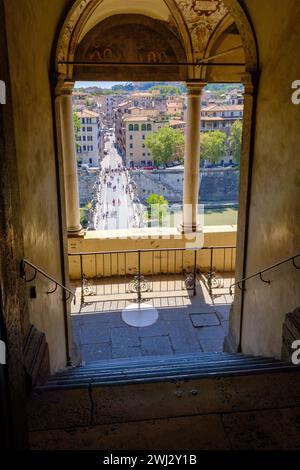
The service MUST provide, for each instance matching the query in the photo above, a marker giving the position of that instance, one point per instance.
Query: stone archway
(200, 34)
(194, 22)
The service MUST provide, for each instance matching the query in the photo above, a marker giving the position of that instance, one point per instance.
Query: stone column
(68, 145)
(192, 158)
(233, 341)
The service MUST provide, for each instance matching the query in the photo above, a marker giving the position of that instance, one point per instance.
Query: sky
(99, 84)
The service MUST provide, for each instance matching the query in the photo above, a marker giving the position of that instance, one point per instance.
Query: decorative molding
(67, 32)
(201, 16)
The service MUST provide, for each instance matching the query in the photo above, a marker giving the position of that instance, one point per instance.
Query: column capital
(248, 82)
(67, 88)
(64, 87)
(195, 87)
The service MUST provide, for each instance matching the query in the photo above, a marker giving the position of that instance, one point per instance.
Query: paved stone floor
(186, 324)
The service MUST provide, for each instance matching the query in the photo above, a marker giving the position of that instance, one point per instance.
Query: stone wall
(217, 185)
(87, 178)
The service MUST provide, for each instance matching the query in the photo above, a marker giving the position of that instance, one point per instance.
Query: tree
(235, 140)
(167, 144)
(77, 126)
(166, 89)
(212, 146)
(158, 207)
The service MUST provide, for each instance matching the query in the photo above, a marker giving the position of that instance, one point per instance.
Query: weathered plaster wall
(31, 28)
(275, 194)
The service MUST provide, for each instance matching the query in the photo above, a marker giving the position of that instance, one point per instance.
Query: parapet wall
(107, 265)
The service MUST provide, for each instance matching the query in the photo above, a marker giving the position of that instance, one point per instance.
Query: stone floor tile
(210, 332)
(223, 312)
(95, 333)
(156, 346)
(204, 319)
(212, 345)
(96, 352)
(123, 337)
(183, 338)
(126, 352)
(160, 328)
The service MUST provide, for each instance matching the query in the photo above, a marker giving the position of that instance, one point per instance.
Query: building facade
(89, 139)
(137, 128)
(220, 118)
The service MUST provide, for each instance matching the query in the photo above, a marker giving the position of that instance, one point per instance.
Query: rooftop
(86, 113)
(229, 107)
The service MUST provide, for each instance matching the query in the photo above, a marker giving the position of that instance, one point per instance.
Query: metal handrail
(149, 250)
(261, 272)
(46, 275)
(139, 277)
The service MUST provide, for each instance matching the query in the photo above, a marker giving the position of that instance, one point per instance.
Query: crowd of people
(117, 179)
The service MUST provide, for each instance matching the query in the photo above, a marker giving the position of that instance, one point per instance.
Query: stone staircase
(186, 401)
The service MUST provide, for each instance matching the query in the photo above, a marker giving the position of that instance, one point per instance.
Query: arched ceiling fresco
(156, 32)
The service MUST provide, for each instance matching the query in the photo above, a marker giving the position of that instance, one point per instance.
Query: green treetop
(212, 146)
(235, 140)
(166, 145)
(77, 126)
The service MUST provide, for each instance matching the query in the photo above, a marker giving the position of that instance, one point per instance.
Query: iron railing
(241, 283)
(69, 293)
(207, 262)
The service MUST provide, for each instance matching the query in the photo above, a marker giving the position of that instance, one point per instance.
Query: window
(143, 128)
(92, 148)
(91, 160)
(83, 129)
(143, 137)
(144, 154)
(131, 146)
(149, 162)
(143, 162)
(131, 154)
(131, 137)
(143, 146)
(89, 129)
(84, 138)
(130, 127)
(89, 137)
(84, 148)
(149, 127)
(136, 127)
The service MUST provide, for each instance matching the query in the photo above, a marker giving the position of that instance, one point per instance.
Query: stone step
(80, 410)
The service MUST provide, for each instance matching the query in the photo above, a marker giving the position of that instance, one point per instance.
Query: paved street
(115, 208)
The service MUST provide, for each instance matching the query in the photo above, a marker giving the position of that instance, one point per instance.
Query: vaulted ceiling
(162, 33)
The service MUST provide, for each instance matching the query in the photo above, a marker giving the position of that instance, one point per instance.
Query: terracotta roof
(86, 113)
(229, 107)
(135, 118)
(176, 121)
(214, 118)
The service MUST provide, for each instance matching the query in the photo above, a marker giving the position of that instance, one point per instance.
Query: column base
(189, 228)
(77, 232)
